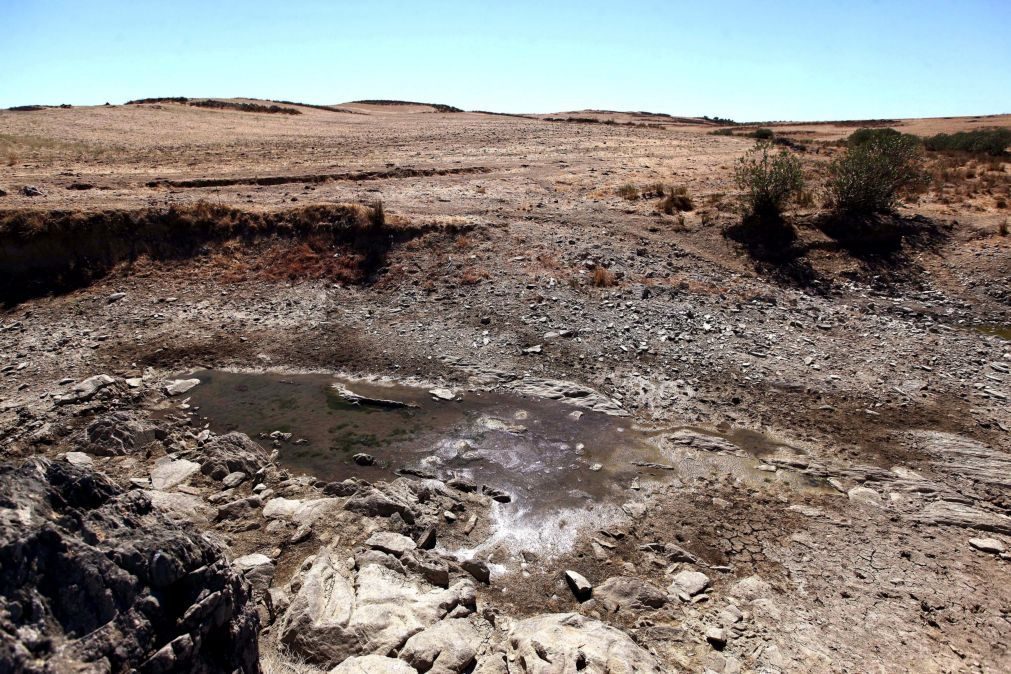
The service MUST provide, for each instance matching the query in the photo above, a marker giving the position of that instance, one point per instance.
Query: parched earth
(829, 489)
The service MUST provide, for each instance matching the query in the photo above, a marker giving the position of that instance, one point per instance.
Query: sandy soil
(888, 377)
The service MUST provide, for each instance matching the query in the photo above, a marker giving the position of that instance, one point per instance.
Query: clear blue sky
(745, 59)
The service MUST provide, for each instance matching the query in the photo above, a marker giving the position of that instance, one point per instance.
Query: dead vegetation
(603, 278)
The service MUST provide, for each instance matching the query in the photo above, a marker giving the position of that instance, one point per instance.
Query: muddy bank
(46, 252)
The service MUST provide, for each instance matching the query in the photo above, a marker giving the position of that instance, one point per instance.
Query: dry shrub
(603, 278)
(677, 200)
(1002, 229)
(472, 276)
(628, 192)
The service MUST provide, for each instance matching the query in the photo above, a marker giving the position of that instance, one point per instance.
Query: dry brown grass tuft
(603, 278)
(472, 276)
(677, 200)
(628, 192)
(1003, 228)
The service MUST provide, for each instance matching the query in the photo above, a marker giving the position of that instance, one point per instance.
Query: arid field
(508, 408)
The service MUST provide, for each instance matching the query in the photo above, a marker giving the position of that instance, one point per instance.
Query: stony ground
(884, 382)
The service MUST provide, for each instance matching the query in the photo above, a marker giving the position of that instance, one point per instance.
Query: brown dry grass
(603, 278)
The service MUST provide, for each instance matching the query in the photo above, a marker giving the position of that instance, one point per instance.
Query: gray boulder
(561, 643)
(448, 647)
(230, 453)
(93, 578)
(621, 593)
(340, 613)
(116, 434)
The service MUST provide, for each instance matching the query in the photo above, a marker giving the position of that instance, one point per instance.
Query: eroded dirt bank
(828, 488)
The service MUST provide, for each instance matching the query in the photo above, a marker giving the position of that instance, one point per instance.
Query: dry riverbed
(716, 463)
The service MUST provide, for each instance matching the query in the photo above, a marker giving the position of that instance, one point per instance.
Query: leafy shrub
(864, 136)
(762, 133)
(768, 180)
(869, 176)
(993, 142)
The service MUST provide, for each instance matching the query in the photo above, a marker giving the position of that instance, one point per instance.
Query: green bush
(864, 136)
(762, 133)
(993, 142)
(768, 180)
(869, 176)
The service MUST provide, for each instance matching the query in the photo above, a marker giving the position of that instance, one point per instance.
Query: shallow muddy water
(562, 466)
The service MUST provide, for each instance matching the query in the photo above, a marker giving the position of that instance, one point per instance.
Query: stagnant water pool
(562, 466)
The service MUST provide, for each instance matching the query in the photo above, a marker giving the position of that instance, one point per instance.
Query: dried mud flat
(866, 396)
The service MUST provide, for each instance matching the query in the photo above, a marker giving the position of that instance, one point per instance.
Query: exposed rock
(580, 586)
(689, 583)
(177, 387)
(95, 579)
(169, 471)
(79, 459)
(299, 512)
(949, 513)
(427, 540)
(991, 545)
(363, 459)
(383, 502)
(31, 191)
(257, 568)
(717, 637)
(391, 543)
(233, 479)
(180, 507)
(85, 390)
(865, 495)
(568, 392)
(230, 453)
(345, 488)
(355, 399)
(373, 664)
(338, 613)
(117, 434)
(447, 647)
(568, 642)
(478, 569)
(620, 593)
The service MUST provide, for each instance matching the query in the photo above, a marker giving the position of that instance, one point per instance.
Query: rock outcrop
(340, 612)
(568, 642)
(95, 579)
(230, 453)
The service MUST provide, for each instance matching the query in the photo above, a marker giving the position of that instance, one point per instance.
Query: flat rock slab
(689, 583)
(177, 387)
(991, 545)
(297, 511)
(569, 642)
(85, 390)
(373, 664)
(169, 472)
(390, 542)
